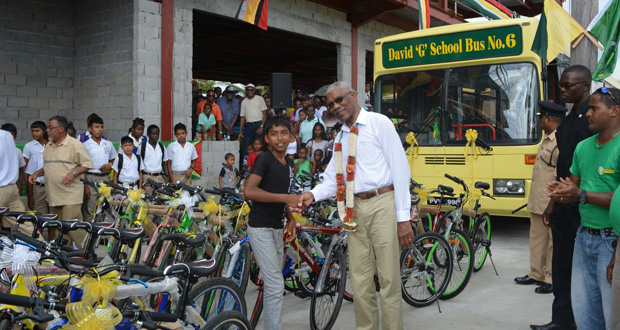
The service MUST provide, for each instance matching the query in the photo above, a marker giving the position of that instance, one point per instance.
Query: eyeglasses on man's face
(337, 100)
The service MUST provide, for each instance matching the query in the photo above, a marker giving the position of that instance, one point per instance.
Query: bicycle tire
(223, 294)
(228, 320)
(332, 295)
(5, 324)
(482, 233)
(348, 289)
(463, 262)
(426, 269)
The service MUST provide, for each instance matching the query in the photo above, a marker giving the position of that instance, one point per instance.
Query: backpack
(120, 163)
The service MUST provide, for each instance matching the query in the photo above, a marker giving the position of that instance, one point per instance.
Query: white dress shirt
(34, 164)
(130, 172)
(153, 157)
(100, 153)
(181, 157)
(9, 165)
(380, 161)
(32, 147)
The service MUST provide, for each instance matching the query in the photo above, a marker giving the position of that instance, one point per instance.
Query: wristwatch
(583, 197)
(75, 174)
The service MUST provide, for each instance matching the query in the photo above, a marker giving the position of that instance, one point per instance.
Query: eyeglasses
(606, 90)
(339, 99)
(49, 128)
(567, 85)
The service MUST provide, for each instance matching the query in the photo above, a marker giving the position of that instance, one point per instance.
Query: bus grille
(440, 160)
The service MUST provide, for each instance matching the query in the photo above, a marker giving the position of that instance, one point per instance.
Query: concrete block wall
(147, 61)
(212, 158)
(182, 64)
(104, 60)
(36, 61)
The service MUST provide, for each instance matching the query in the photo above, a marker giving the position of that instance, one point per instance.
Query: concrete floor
(488, 302)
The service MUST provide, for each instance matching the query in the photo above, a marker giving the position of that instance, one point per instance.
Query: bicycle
(479, 223)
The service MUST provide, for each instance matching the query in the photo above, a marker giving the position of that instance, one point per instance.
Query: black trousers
(564, 222)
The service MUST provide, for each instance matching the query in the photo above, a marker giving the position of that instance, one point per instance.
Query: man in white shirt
(101, 153)
(381, 207)
(39, 140)
(9, 172)
(316, 102)
(253, 116)
(181, 157)
(154, 156)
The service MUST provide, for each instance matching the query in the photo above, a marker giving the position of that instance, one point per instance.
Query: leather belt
(373, 193)
(179, 172)
(96, 174)
(40, 184)
(607, 231)
(152, 174)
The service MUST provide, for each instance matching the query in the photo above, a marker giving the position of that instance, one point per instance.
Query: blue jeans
(590, 290)
(250, 135)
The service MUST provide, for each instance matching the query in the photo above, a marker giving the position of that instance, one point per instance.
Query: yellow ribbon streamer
(474, 195)
(82, 315)
(105, 190)
(209, 207)
(414, 147)
(138, 204)
(471, 136)
(423, 194)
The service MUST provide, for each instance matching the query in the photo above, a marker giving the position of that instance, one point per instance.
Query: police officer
(541, 246)
(564, 218)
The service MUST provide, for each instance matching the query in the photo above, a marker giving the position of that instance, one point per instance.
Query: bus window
(411, 99)
(498, 101)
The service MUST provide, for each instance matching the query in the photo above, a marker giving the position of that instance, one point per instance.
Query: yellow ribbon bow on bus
(414, 147)
(471, 136)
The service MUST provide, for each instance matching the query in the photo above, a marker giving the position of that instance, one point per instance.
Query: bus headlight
(509, 187)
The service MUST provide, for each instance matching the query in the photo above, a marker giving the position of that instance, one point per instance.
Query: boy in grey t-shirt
(228, 176)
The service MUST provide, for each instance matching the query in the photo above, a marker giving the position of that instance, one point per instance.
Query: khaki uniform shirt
(58, 161)
(544, 172)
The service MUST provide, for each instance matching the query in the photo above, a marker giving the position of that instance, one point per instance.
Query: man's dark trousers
(564, 222)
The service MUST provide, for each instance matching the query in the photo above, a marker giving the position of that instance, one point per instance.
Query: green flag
(605, 27)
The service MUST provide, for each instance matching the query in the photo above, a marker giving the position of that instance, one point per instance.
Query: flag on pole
(425, 14)
(197, 172)
(556, 29)
(253, 12)
(606, 28)
(491, 9)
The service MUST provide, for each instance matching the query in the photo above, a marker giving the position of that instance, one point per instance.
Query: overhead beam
(436, 13)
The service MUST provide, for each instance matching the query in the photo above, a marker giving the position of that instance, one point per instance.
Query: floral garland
(347, 189)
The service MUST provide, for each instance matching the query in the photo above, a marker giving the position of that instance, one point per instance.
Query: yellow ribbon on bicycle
(102, 288)
(138, 204)
(82, 315)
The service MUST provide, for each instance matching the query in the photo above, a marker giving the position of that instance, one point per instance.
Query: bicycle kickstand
(487, 246)
(438, 307)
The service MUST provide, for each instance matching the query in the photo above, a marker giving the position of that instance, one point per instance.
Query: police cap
(551, 109)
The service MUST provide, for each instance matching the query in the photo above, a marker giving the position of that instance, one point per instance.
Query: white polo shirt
(9, 166)
(31, 148)
(100, 153)
(130, 172)
(34, 164)
(252, 109)
(181, 156)
(153, 157)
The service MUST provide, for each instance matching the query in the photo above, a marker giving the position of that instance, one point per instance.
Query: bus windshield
(497, 100)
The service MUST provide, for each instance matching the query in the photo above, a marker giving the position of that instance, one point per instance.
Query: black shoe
(545, 288)
(552, 326)
(527, 280)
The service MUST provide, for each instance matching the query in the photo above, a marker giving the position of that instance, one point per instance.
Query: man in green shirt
(595, 174)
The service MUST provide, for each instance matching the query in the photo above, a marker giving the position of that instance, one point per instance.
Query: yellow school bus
(444, 82)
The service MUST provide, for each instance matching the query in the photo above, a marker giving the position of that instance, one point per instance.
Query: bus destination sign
(458, 46)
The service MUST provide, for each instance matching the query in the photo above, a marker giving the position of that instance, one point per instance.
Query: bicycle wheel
(463, 263)
(325, 306)
(230, 320)
(425, 269)
(216, 295)
(348, 289)
(5, 324)
(481, 240)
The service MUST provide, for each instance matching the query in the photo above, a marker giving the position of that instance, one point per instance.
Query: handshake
(298, 203)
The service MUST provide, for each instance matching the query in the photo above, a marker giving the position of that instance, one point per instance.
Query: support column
(167, 46)
(354, 57)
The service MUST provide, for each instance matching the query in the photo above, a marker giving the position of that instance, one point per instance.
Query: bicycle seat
(200, 268)
(482, 185)
(187, 239)
(97, 226)
(415, 200)
(79, 224)
(130, 235)
(445, 189)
